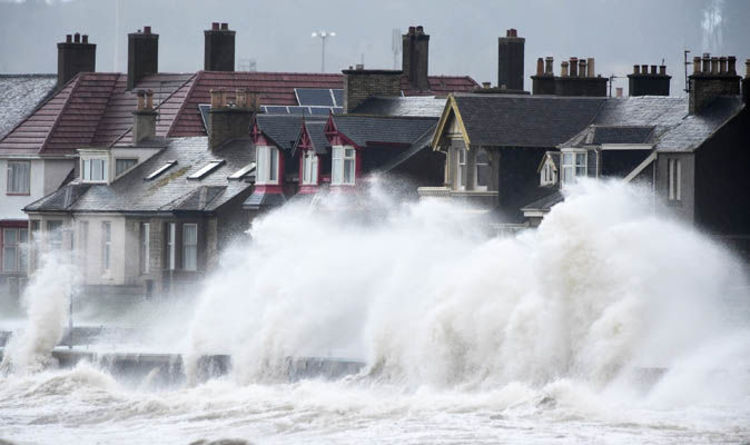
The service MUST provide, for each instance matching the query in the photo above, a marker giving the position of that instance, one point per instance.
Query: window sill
(17, 194)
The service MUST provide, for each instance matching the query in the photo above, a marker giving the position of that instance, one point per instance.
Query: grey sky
(276, 33)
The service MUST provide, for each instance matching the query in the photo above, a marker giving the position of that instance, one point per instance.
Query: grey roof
(621, 135)
(284, 129)
(171, 191)
(693, 130)
(504, 120)
(546, 202)
(423, 143)
(415, 106)
(261, 200)
(20, 94)
(316, 130)
(366, 130)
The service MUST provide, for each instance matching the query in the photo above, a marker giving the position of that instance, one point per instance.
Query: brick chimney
(359, 84)
(578, 78)
(544, 82)
(643, 83)
(710, 80)
(219, 48)
(510, 60)
(227, 120)
(74, 55)
(143, 55)
(415, 58)
(144, 117)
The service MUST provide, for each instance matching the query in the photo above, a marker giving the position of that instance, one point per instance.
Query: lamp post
(323, 35)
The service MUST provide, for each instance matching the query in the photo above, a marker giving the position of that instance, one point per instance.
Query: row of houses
(149, 175)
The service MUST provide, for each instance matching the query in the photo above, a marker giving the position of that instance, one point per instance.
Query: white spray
(426, 297)
(46, 300)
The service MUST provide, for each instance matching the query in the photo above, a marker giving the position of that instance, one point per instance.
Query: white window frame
(145, 244)
(309, 168)
(549, 174)
(106, 246)
(674, 178)
(19, 178)
(15, 258)
(477, 166)
(88, 165)
(267, 165)
(462, 157)
(171, 241)
(344, 168)
(572, 171)
(190, 247)
(132, 162)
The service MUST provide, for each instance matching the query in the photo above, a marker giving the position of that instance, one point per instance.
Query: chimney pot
(215, 26)
(714, 65)
(412, 29)
(77, 38)
(85, 38)
(68, 38)
(706, 63)
(662, 70)
(747, 68)
(573, 67)
(732, 65)
(218, 98)
(420, 29)
(548, 68)
(539, 66)
(486, 85)
(225, 26)
(141, 94)
(582, 68)
(590, 66)
(696, 65)
(564, 69)
(149, 99)
(722, 65)
(636, 69)
(618, 92)
(644, 69)
(653, 70)
(147, 30)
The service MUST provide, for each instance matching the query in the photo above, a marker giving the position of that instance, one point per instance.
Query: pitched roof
(420, 106)
(621, 135)
(522, 120)
(546, 202)
(368, 130)
(171, 191)
(283, 129)
(20, 94)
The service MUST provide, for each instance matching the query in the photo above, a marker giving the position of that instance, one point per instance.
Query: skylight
(206, 169)
(160, 170)
(241, 173)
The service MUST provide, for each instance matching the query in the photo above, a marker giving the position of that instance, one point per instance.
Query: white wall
(45, 177)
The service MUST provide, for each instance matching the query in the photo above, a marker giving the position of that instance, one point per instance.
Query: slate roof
(316, 131)
(621, 135)
(421, 106)
(505, 120)
(422, 143)
(20, 94)
(171, 191)
(284, 129)
(546, 202)
(367, 130)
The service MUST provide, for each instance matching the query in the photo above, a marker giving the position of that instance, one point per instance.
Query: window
(206, 169)
(106, 246)
(14, 251)
(83, 236)
(482, 165)
(344, 163)
(461, 169)
(549, 175)
(123, 165)
(160, 170)
(171, 240)
(54, 234)
(145, 239)
(94, 170)
(573, 166)
(19, 177)
(244, 171)
(190, 246)
(310, 168)
(675, 177)
(267, 165)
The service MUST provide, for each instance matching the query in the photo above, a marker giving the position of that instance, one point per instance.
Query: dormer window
(548, 174)
(344, 165)
(94, 169)
(309, 168)
(267, 165)
(573, 166)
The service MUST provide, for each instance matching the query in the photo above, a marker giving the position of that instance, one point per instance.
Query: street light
(323, 35)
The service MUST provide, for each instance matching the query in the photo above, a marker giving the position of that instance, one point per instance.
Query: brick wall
(361, 84)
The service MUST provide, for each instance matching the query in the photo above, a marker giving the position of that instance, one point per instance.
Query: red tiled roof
(95, 110)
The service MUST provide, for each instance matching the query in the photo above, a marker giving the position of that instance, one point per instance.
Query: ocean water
(606, 325)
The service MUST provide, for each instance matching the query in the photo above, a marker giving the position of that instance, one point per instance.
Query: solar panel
(314, 96)
(339, 96)
(338, 110)
(299, 110)
(276, 110)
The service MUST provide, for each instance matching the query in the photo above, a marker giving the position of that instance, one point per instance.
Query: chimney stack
(745, 82)
(578, 78)
(143, 55)
(228, 121)
(415, 58)
(544, 82)
(219, 48)
(510, 53)
(74, 56)
(710, 81)
(144, 117)
(644, 83)
(359, 84)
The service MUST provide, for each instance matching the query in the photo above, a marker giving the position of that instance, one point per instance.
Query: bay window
(190, 246)
(344, 165)
(573, 166)
(19, 177)
(309, 167)
(14, 253)
(171, 240)
(267, 168)
(54, 234)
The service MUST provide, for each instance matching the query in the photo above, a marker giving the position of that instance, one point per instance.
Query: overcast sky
(276, 34)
